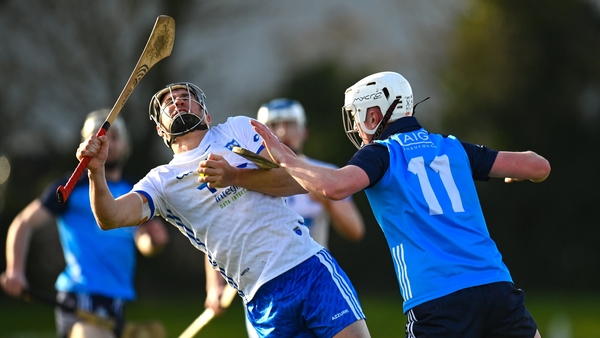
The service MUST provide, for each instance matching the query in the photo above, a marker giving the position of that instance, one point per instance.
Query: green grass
(577, 316)
(566, 315)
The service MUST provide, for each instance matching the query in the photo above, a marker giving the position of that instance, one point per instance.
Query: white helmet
(376, 90)
(183, 122)
(281, 110)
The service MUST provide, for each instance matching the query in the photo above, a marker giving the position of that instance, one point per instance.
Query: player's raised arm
(109, 213)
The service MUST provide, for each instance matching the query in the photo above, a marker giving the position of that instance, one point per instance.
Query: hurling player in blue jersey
(420, 186)
(99, 272)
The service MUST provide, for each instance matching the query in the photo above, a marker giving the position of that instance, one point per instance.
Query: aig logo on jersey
(415, 139)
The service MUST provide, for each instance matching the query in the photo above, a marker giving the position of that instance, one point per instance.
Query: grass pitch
(558, 315)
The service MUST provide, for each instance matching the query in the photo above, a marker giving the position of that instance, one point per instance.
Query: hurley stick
(208, 314)
(158, 47)
(88, 317)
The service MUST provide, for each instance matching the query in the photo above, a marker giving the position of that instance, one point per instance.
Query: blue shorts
(490, 310)
(314, 299)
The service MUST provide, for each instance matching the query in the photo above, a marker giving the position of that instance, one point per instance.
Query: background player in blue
(291, 285)
(421, 189)
(99, 272)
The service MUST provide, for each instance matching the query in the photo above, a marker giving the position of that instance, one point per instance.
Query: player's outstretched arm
(335, 184)
(519, 166)
(13, 280)
(218, 173)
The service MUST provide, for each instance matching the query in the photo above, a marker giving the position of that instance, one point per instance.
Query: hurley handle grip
(63, 192)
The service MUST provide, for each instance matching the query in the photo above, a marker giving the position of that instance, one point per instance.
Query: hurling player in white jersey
(291, 285)
(286, 118)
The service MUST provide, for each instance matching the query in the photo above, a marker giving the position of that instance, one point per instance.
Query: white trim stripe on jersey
(398, 256)
(149, 199)
(146, 212)
(345, 290)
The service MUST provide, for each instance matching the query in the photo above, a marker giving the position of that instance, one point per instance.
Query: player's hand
(216, 171)
(279, 152)
(213, 300)
(96, 148)
(13, 284)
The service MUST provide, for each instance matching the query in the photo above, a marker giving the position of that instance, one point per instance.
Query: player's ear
(159, 131)
(373, 117)
(378, 115)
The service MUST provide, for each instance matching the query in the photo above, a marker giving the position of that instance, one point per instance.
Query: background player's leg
(84, 330)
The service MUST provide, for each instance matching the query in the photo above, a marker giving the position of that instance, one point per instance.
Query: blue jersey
(97, 261)
(424, 199)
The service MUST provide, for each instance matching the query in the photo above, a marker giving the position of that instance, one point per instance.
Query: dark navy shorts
(106, 308)
(314, 299)
(491, 310)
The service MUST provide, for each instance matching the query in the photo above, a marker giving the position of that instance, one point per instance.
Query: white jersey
(248, 236)
(316, 217)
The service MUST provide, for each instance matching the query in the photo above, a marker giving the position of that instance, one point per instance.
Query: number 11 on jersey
(441, 166)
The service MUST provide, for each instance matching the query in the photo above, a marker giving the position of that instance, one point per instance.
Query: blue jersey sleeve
(49, 200)
(374, 159)
(481, 158)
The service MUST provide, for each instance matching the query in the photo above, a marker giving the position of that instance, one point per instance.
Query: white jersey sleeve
(248, 236)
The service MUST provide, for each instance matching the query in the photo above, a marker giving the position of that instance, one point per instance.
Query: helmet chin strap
(387, 116)
(173, 137)
(385, 119)
(179, 127)
(416, 104)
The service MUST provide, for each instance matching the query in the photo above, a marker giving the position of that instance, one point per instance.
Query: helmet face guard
(183, 121)
(349, 117)
(387, 90)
